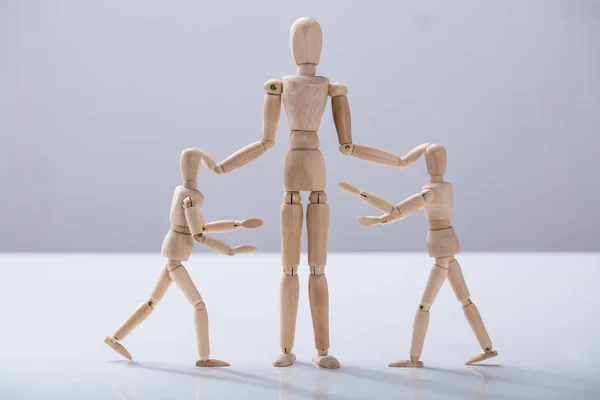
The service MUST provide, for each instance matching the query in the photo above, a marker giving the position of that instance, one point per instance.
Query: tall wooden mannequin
(187, 225)
(304, 98)
(442, 244)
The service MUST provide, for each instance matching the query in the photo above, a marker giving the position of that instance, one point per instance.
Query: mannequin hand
(245, 248)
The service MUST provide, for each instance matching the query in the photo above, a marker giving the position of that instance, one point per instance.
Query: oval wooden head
(435, 158)
(306, 40)
(190, 162)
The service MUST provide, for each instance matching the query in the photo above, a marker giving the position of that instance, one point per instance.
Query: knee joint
(424, 307)
(200, 306)
(316, 270)
(318, 197)
(290, 271)
(152, 302)
(172, 264)
(291, 198)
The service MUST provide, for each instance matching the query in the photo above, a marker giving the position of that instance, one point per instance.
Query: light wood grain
(243, 156)
(457, 281)
(304, 170)
(139, 315)
(195, 220)
(318, 294)
(288, 309)
(271, 115)
(291, 232)
(442, 243)
(177, 246)
(418, 337)
(437, 276)
(436, 159)
(304, 140)
(306, 38)
(442, 203)
(201, 324)
(342, 119)
(161, 286)
(476, 323)
(317, 226)
(304, 99)
(184, 282)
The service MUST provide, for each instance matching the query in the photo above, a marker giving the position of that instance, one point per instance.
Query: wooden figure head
(435, 158)
(190, 163)
(306, 41)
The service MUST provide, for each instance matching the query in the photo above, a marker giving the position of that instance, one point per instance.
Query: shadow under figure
(187, 225)
(442, 244)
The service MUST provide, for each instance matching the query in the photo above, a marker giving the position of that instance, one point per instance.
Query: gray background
(97, 100)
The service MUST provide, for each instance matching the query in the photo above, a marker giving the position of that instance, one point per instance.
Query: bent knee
(200, 306)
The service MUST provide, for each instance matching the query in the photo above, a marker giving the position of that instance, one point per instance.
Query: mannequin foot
(481, 357)
(329, 362)
(211, 363)
(118, 348)
(407, 364)
(284, 360)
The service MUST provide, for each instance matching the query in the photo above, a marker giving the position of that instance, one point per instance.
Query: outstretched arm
(343, 126)
(271, 113)
(392, 212)
(198, 227)
(231, 225)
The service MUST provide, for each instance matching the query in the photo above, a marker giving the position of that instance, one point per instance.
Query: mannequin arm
(271, 114)
(343, 126)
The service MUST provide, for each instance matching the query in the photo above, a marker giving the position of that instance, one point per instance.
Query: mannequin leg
(437, 276)
(317, 222)
(291, 234)
(140, 314)
(183, 280)
(457, 280)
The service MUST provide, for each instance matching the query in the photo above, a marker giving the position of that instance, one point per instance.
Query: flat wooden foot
(406, 364)
(328, 362)
(211, 363)
(118, 348)
(481, 357)
(284, 360)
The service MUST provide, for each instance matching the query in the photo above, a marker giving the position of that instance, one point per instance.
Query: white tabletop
(541, 311)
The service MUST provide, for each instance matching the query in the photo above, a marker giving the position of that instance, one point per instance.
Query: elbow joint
(347, 149)
(267, 144)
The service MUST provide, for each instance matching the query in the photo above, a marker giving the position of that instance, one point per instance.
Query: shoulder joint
(337, 89)
(274, 86)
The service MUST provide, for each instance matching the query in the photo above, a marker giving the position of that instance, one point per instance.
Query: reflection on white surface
(57, 309)
(307, 382)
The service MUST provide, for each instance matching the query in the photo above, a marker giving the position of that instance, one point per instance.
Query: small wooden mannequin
(187, 225)
(442, 244)
(304, 99)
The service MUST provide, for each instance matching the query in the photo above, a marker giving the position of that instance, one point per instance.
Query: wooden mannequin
(442, 244)
(304, 98)
(187, 225)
